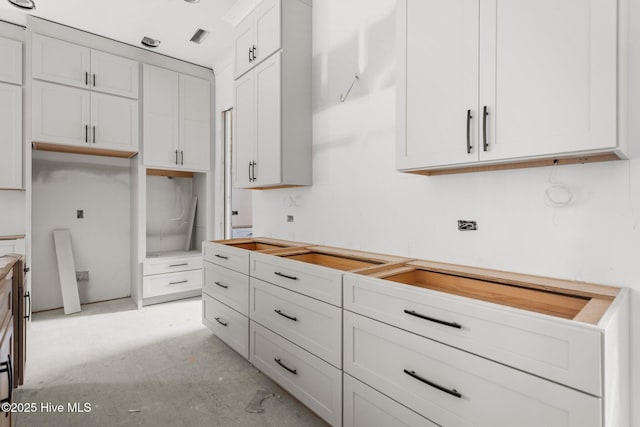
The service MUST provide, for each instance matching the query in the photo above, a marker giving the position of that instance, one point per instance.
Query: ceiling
(173, 22)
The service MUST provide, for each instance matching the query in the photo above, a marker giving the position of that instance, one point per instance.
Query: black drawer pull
(27, 296)
(178, 283)
(6, 367)
(431, 319)
(485, 113)
(179, 265)
(453, 392)
(293, 371)
(221, 256)
(286, 276)
(222, 322)
(295, 319)
(221, 285)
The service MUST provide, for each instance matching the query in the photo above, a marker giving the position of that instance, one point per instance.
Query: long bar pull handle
(431, 319)
(222, 285)
(86, 78)
(295, 319)
(255, 178)
(250, 164)
(279, 362)
(178, 283)
(94, 79)
(253, 52)
(179, 265)
(286, 276)
(86, 134)
(221, 256)
(94, 134)
(182, 157)
(469, 117)
(219, 320)
(27, 296)
(485, 113)
(452, 392)
(176, 157)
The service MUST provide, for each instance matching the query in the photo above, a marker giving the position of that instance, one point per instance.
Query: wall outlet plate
(465, 225)
(289, 218)
(82, 276)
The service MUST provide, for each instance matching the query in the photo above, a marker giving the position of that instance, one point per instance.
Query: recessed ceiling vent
(200, 35)
(149, 42)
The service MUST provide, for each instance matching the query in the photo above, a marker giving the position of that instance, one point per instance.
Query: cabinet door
(243, 45)
(10, 61)
(267, 29)
(438, 83)
(10, 136)
(60, 114)
(6, 362)
(195, 123)
(267, 170)
(161, 116)
(114, 74)
(114, 122)
(548, 73)
(61, 62)
(244, 128)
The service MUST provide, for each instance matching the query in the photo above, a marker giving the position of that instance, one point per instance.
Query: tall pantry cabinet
(10, 114)
(488, 82)
(272, 126)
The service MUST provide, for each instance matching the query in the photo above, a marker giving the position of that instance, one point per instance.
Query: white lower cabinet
(311, 380)
(227, 286)
(228, 325)
(313, 325)
(366, 407)
(171, 283)
(457, 389)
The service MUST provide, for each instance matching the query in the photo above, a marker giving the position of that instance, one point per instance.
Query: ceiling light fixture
(199, 36)
(23, 4)
(192, 1)
(149, 42)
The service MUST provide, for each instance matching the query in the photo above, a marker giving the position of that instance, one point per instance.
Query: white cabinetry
(169, 275)
(10, 114)
(70, 116)
(74, 65)
(272, 126)
(176, 111)
(480, 84)
(257, 36)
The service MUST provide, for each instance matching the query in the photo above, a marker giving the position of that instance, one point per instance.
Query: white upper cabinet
(177, 120)
(114, 122)
(10, 136)
(74, 65)
(488, 82)
(244, 129)
(114, 74)
(257, 36)
(10, 61)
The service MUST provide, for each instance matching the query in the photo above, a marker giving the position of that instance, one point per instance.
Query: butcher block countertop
(6, 264)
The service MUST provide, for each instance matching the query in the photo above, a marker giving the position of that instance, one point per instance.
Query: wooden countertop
(15, 237)
(6, 264)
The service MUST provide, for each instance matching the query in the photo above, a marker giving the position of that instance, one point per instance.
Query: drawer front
(171, 265)
(227, 286)
(228, 325)
(172, 283)
(309, 379)
(550, 348)
(365, 407)
(227, 256)
(454, 388)
(313, 325)
(6, 297)
(317, 282)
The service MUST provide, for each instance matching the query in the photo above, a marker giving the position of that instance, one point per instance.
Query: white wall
(101, 242)
(359, 201)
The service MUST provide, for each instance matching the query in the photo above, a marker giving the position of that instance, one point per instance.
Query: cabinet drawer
(171, 283)
(365, 407)
(313, 325)
(309, 379)
(315, 281)
(454, 388)
(551, 348)
(227, 256)
(228, 325)
(227, 286)
(172, 265)
(6, 297)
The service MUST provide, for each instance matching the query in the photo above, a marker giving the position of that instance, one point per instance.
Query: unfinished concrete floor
(158, 366)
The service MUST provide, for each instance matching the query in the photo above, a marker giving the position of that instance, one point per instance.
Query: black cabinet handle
(27, 296)
(469, 117)
(178, 283)
(86, 78)
(94, 134)
(250, 179)
(94, 79)
(86, 134)
(484, 128)
(431, 319)
(295, 319)
(182, 157)
(6, 367)
(453, 392)
(222, 322)
(221, 285)
(253, 173)
(176, 157)
(178, 265)
(221, 256)
(253, 52)
(286, 276)
(293, 371)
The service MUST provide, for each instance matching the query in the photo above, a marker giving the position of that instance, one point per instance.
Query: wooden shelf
(92, 151)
